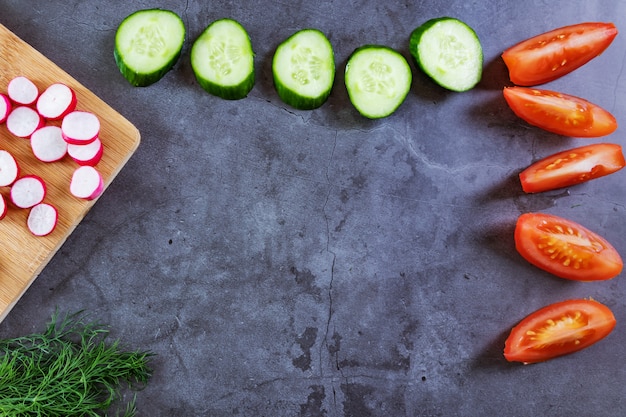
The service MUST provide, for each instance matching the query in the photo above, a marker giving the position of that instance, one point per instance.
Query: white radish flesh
(3, 207)
(23, 121)
(89, 154)
(48, 144)
(86, 183)
(80, 127)
(56, 101)
(28, 191)
(22, 91)
(42, 219)
(9, 168)
(5, 107)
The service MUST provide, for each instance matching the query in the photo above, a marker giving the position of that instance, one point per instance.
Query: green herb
(68, 370)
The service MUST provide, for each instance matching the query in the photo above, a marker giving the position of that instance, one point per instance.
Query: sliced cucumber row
(149, 42)
(449, 52)
(303, 68)
(223, 61)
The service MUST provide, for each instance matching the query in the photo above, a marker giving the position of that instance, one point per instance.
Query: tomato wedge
(548, 56)
(560, 113)
(557, 330)
(565, 248)
(571, 167)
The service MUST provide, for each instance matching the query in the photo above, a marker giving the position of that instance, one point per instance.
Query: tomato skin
(565, 248)
(558, 329)
(559, 113)
(572, 167)
(552, 54)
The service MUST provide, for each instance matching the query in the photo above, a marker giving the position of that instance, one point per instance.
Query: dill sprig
(68, 370)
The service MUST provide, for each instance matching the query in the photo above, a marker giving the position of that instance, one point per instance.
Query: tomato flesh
(571, 167)
(551, 55)
(558, 329)
(565, 248)
(560, 113)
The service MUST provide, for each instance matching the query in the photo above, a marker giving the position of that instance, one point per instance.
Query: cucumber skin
(138, 79)
(385, 48)
(415, 37)
(292, 98)
(234, 92)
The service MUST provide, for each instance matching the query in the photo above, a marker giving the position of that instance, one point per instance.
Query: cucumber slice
(378, 79)
(147, 45)
(304, 69)
(449, 52)
(222, 60)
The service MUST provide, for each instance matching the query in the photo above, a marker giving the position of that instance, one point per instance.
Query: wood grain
(22, 255)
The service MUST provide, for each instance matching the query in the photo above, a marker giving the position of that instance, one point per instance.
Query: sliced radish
(80, 127)
(28, 191)
(86, 183)
(22, 91)
(89, 154)
(3, 207)
(56, 101)
(9, 168)
(23, 121)
(5, 107)
(48, 144)
(42, 219)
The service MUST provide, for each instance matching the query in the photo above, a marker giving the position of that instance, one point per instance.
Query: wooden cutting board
(22, 255)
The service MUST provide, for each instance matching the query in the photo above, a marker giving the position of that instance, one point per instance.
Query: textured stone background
(316, 263)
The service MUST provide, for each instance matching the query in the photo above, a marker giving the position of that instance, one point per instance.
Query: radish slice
(89, 154)
(56, 101)
(5, 107)
(22, 91)
(86, 183)
(80, 127)
(48, 144)
(23, 121)
(3, 207)
(9, 168)
(42, 219)
(28, 191)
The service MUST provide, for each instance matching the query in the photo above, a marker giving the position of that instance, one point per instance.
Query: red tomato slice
(572, 167)
(565, 248)
(548, 56)
(558, 329)
(560, 113)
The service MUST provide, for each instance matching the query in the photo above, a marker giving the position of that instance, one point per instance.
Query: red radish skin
(47, 144)
(3, 207)
(28, 191)
(56, 102)
(9, 168)
(80, 127)
(5, 107)
(86, 183)
(89, 154)
(42, 219)
(22, 91)
(23, 121)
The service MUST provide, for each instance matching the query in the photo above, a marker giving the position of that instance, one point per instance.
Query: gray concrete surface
(316, 263)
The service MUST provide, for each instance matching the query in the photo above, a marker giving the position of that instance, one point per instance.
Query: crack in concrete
(324, 344)
(619, 76)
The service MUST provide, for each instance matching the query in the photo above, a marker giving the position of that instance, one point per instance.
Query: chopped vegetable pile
(54, 128)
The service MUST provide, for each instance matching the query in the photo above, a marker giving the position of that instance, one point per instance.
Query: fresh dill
(70, 369)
